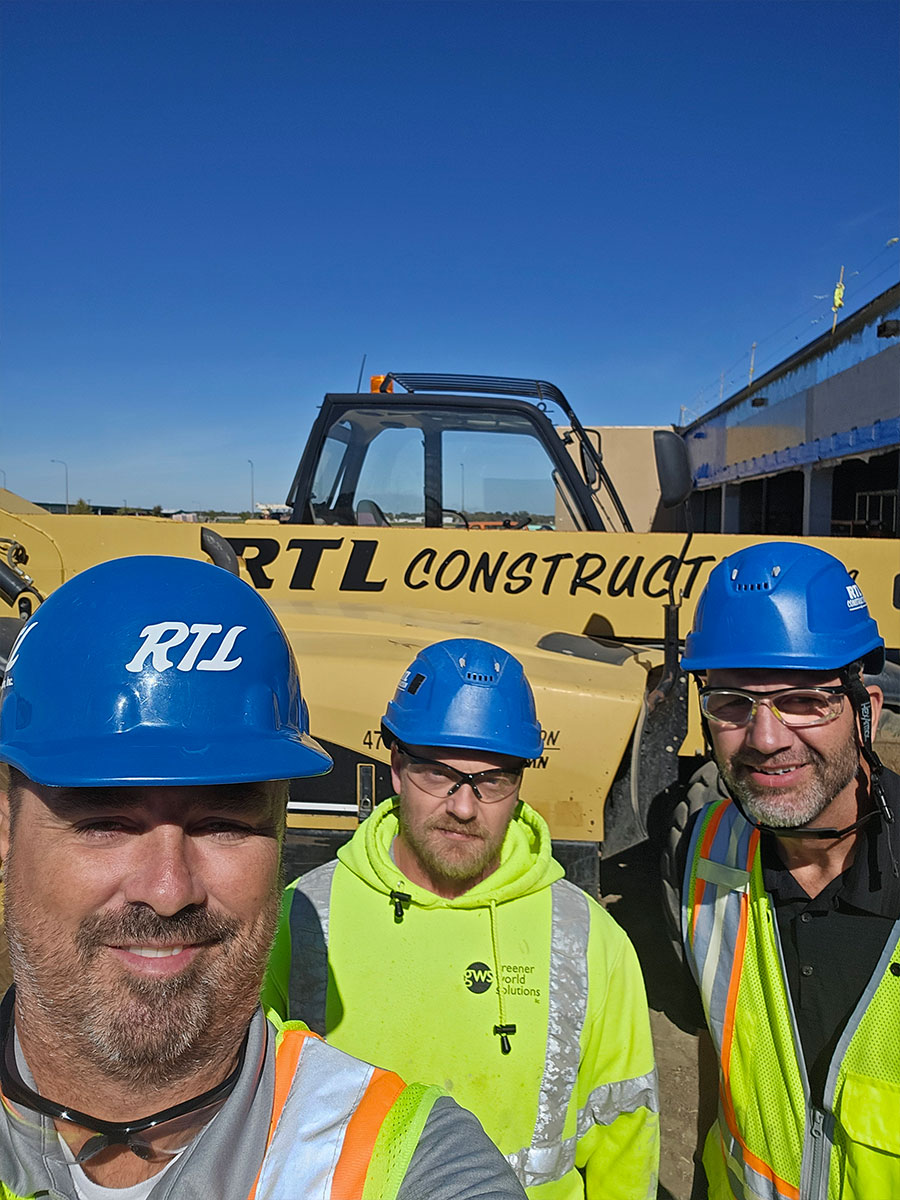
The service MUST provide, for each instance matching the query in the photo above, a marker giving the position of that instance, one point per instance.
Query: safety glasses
(797, 708)
(155, 1138)
(440, 779)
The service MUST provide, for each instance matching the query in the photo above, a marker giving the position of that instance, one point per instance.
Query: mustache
(750, 758)
(450, 824)
(141, 925)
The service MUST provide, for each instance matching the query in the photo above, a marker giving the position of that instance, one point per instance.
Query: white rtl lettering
(202, 633)
(153, 644)
(17, 645)
(221, 661)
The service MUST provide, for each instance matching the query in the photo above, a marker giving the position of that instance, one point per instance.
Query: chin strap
(862, 705)
(820, 832)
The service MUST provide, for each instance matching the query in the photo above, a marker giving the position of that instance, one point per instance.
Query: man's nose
(463, 803)
(165, 873)
(766, 733)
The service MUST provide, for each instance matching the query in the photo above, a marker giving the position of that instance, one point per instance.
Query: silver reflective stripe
(543, 1164)
(713, 948)
(717, 917)
(549, 1157)
(309, 947)
(746, 1182)
(304, 1151)
(625, 1095)
(722, 876)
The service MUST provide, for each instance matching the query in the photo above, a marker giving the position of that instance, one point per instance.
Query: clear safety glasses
(440, 779)
(155, 1138)
(798, 708)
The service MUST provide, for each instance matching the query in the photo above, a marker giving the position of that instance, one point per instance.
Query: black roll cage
(464, 392)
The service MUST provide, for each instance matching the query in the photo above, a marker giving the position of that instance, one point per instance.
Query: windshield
(436, 467)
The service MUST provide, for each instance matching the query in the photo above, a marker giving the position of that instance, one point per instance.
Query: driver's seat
(369, 512)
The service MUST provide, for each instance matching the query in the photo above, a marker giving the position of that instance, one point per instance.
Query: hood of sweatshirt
(526, 863)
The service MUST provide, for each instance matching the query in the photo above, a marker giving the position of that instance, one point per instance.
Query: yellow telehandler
(457, 508)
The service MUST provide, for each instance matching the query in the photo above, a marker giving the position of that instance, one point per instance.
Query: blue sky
(211, 209)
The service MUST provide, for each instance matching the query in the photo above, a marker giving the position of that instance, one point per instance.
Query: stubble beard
(792, 807)
(463, 863)
(139, 1029)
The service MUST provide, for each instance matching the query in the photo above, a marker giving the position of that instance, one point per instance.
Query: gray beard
(152, 1031)
(786, 808)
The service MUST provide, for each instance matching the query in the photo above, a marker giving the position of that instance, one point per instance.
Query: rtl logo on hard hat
(156, 646)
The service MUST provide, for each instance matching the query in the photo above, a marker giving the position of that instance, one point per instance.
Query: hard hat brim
(140, 759)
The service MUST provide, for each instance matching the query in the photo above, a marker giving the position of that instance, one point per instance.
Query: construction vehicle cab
(389, 459)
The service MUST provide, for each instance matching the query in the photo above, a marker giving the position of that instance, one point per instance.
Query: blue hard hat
(784, 606)
(155, 671)
(468, 694)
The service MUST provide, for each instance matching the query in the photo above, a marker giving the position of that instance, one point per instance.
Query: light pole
(65, 467)
(252, 505)
(462, 487)
(3, 473)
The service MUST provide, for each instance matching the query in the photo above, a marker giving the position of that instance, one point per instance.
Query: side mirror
(588, 466)
(672, 468)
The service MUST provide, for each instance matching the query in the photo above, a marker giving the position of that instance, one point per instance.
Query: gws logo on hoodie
(478, 977)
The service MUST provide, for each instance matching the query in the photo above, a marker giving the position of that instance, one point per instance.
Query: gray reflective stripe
(717, 917)
(746, 1182)
(543, 1164)
(308, 988)
(549, 1156)
(304, 1151)
(714, 946)
(722, 876)
(608, 1100)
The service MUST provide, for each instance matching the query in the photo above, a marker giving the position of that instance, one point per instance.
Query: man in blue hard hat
(791, 886)
(151, 717)
(444, 942)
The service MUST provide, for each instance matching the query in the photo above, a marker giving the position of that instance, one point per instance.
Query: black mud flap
(648, 772)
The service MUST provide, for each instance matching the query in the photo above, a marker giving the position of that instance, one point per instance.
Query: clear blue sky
(211, 209)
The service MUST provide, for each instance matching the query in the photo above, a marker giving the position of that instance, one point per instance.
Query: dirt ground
(630, 894)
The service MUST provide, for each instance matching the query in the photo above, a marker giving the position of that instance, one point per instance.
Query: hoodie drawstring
(400, 899)
(502, 1031)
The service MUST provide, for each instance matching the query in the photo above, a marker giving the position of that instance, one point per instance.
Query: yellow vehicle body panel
(358, 603)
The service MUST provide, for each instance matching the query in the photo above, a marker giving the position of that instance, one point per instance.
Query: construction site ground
(630, 886)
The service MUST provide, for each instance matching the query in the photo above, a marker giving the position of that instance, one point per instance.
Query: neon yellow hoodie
(426, 986)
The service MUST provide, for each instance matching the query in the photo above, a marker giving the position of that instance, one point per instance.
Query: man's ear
(4, 815)
(395, 767)
(877, 696)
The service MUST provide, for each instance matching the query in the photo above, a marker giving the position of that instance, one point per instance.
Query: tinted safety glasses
(156, 1138)
(440, 779)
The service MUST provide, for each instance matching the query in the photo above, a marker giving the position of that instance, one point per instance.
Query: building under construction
(813, 445)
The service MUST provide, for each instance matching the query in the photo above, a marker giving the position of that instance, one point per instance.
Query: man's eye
(224, 828)
(438, 776)
(102, 826)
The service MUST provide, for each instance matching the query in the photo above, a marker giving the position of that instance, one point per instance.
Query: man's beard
(793, 807)
(134, 1028)
(448, 863)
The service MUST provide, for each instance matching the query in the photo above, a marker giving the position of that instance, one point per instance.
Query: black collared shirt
(831, 944)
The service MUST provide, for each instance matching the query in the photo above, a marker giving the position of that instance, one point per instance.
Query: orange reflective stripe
(362, 1131)
(705, 845)
(286, 1058)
